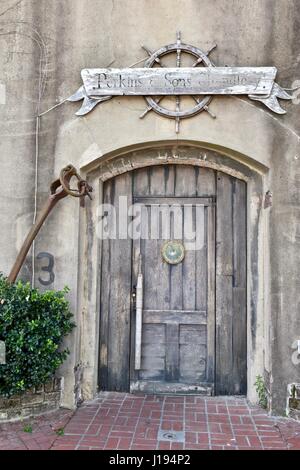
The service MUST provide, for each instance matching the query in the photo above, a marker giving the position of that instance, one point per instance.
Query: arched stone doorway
(225, 181)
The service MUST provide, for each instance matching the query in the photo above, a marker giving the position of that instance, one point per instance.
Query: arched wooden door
(190, 335)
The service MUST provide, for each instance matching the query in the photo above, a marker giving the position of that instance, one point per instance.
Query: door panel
(175, 352)
(193, 352)
(116, 297)
(231, 289)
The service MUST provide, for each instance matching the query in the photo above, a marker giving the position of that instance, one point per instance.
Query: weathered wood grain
(153, 352)
(116, 298)
(179, 81)
(239, 231)
(175, 316)
(194, 318)
(172, 352)
(193, 353)
(239, 341)
(158, 201)
(224, 282)
(105, 297)
(141, 182)
(211, 293)
(231, 318)
(170, 291)
(239, 320)
(206, 182)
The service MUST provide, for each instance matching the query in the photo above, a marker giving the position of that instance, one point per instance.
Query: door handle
(139, 316)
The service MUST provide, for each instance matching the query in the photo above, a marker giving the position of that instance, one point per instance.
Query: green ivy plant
(32, 325)
(261, 391)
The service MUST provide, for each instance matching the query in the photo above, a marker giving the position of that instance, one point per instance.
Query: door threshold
(172, 388)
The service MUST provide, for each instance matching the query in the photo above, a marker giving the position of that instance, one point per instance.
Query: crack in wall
(11, 7)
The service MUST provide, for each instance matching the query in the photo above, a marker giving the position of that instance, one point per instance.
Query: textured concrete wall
(43, 47)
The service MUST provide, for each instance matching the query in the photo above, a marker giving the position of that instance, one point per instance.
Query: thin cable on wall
(37, 130)
(41, 90)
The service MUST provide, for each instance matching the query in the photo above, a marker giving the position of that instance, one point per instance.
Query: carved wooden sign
(201, 81)
(179, 81)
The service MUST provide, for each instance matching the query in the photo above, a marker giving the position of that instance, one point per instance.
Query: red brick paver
(123, 421)
(42, 435)
(140, 422)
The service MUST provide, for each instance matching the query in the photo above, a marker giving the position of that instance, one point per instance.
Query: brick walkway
(43, 435)
(123, 421)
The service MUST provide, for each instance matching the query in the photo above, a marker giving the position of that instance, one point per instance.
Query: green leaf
(27, 428)
(33, 325)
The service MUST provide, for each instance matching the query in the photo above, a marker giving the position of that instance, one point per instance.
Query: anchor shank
(59, 189)
(50, 204)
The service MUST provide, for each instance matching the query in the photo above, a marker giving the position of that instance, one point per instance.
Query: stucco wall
(43, 47)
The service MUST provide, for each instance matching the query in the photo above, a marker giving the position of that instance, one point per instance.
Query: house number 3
(47, 269)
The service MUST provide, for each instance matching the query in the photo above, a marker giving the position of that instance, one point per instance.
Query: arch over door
(210, 349)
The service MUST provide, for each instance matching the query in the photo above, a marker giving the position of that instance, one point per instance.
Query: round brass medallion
(173, 252)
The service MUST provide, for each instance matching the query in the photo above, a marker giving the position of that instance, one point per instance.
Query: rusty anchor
(59, 189)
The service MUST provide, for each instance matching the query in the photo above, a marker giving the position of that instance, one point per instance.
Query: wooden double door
(173, 282)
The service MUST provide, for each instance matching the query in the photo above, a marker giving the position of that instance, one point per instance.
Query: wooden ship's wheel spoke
(202, 102)
(178, 64)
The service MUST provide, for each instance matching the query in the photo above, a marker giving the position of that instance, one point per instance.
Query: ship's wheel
(180, 112)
